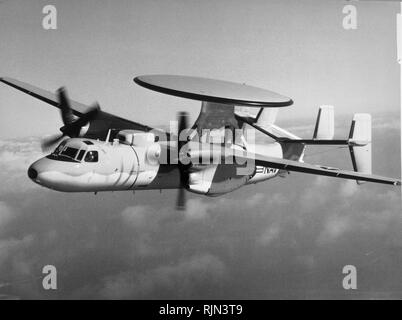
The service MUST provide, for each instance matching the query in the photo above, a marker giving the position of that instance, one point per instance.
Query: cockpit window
(59, 148)
(91, 156)
(69, 152)
(80, 155)
(63, 153)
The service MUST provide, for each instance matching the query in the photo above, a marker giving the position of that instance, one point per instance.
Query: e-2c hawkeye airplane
(214, 156)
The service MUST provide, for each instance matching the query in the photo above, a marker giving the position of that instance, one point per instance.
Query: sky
(297, 48)
(286, 238)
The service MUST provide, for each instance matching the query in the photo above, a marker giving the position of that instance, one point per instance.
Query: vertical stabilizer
(324, 127)
(360, 143)
(267, 117)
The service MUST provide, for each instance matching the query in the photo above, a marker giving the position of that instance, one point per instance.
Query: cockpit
(75, 150)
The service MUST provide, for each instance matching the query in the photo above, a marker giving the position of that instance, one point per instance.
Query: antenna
(108, 136)
(399, 36)
(399, 56)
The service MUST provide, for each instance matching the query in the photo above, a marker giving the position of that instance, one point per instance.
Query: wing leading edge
(43, 95)
(104, 119)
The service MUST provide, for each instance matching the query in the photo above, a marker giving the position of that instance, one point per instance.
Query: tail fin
(360, 143)
(266, 116)
(324, 127)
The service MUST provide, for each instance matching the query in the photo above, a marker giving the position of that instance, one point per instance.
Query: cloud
(387, 121)
(270, 234)
(269, 240)
(15, 158)
(136, 216)
(349, 188)
(334, 227)
(6, 214)
(347, 209)
(179, 280)
(197, 209)
(10, 248)
(16, 154)
(311, 196)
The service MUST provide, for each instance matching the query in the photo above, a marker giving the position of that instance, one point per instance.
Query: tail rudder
(324, 126)
(266, 117)
(360, 143)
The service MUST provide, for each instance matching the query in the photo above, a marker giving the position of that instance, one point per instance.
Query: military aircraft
(99, 151)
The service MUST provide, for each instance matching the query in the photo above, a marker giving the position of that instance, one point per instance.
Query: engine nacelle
(154, 153)
(217, 179)
(136, 138)
(147, 151)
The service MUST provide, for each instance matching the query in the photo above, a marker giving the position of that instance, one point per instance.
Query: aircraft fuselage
(87, 165)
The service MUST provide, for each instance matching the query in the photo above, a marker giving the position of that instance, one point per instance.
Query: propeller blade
(88, 116)
(65, 108)
(72, 124)
(181, 199)
(183, 125)
(74, 128)
(48, 143)
(183, 169)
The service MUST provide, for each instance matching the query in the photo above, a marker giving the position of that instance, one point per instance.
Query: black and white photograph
(200, 150)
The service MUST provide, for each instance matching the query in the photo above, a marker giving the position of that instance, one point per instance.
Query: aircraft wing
(104, 120)
(242, 157)
(43, 95)
(297, 166)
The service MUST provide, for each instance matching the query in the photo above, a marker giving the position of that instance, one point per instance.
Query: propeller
(183, 168)
(72, 124)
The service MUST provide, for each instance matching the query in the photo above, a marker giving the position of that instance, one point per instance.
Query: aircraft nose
(52, 174)
(32, 173)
